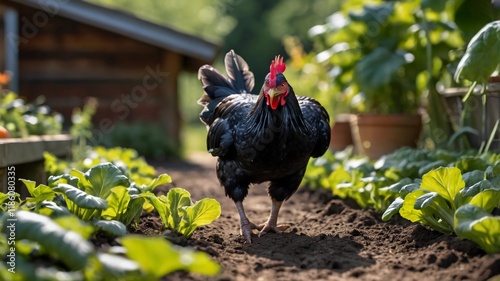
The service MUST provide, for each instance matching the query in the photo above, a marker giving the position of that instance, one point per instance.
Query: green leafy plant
(23, 119)
(442, 202)
(59, 249)
(128, 161)
(157, 257)
(85, 194)
(478, 65)
(427, 187)
(474, 223)
(384, 53)
(103, 195)
(482, 56)
(178, 213)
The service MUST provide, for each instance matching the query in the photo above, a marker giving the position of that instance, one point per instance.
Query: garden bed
(330, 239)
(26, 156)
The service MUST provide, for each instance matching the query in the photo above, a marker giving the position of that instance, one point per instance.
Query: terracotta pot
(341, 132)
(377, 135)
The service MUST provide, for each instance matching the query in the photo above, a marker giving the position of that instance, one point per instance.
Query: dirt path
(330, 239)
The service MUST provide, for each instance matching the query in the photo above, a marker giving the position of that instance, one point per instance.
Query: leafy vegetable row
(103, 199)
(450, 192)
(58, 249)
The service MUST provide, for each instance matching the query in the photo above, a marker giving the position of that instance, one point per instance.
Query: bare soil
(329, 238)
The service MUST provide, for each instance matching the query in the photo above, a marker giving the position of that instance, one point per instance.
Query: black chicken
(258, 138)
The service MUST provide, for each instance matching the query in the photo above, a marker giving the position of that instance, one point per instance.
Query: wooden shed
(67, 50)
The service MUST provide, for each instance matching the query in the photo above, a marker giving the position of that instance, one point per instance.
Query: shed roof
(126, 25)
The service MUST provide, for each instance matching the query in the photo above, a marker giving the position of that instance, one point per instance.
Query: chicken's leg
(271, 223)
(246, 225)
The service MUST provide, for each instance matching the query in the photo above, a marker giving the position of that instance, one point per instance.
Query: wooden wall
(67, 62)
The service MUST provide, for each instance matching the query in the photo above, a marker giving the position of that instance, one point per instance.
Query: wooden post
(169, 96)
(2, 38)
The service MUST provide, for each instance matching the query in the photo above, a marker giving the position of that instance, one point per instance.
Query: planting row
(47, 236)
(447, 191)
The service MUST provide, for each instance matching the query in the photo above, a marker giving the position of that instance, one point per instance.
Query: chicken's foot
(271, 224)
(246, 225)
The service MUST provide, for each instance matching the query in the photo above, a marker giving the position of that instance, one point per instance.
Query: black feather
(238, 71)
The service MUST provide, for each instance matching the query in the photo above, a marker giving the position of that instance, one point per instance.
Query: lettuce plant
(180, 214)
(451, 202)
(476, 224)
(59, 249)
(103, 195)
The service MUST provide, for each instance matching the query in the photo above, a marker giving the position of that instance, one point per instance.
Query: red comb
(277, 66)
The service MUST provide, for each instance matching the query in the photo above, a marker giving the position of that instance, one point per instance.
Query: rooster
(260, 138)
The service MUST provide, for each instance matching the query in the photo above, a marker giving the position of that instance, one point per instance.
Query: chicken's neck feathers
(283, 120)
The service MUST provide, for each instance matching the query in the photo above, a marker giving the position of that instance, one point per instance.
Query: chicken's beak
(273, 98)
(271, 92)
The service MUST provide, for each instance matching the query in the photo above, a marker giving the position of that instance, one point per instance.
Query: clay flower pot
(341, 132)
(376, 135)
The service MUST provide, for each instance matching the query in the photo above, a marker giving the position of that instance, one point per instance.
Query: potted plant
(384, 52)
(476, 109)
(316, 81)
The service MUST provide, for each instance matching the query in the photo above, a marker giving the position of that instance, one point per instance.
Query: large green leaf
(432, 204)
(157, 257)
(475, 223)
(134, 209)
(103, 177)
(112, 227)
(473, 177)
(178, 200)
(160, 206)
(482, 56)
(116, 267)
(82, 199)
(201, 213)
(446, 182)
(487, 199)
(408, 210)
(74, 224)
(393, 209)
(51, 209)
(468, 164)
(39, 193)
(118, 202)
(160, 180)
(378, 68)
(493, 171)
(67, 246)
(478, 187)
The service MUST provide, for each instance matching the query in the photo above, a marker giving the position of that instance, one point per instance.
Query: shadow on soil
(305, 252)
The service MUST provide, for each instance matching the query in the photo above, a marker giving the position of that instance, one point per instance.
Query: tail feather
(238, 71)
(216, 86)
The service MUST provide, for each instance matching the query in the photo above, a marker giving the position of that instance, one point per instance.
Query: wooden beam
(2, 38)
(171, 65)
(11, 27)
